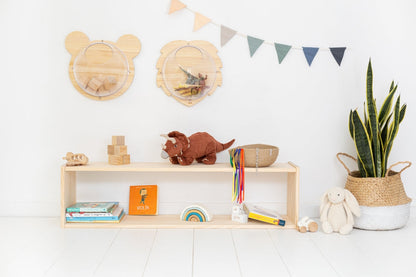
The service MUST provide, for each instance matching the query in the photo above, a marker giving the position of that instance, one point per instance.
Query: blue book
(102, 207)
(96, 218)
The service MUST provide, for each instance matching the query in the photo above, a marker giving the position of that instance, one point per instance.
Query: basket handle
(406, 162)
(343, 164)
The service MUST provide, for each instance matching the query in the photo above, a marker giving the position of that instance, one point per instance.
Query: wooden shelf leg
(293, 195)
(68, 191)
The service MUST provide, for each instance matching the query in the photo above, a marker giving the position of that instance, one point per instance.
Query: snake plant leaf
(374, 127)
(392, 85)
(363, 146)
(350, 125)
(366, 122)
(361, 167)
(384, 131)
(386, 107)
(402, 112)
(394, 128)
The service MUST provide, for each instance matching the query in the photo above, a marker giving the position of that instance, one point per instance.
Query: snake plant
(373, 137)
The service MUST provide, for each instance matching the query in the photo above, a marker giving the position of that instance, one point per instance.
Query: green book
(102, 207)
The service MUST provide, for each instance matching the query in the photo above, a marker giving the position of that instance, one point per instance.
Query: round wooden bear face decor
(189, 70)
(99, 69)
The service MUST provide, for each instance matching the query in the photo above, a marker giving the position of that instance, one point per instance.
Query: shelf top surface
(168, 167)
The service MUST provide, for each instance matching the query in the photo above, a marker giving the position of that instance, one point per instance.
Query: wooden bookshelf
(68, 195)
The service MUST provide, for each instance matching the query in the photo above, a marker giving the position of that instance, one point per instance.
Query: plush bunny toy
(337, 207)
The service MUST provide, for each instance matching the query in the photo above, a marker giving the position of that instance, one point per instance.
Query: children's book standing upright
(143, 200)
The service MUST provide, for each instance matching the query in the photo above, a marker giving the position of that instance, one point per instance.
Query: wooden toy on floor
(75, 159)
(307, 225)
(117, 151)
(196, 213)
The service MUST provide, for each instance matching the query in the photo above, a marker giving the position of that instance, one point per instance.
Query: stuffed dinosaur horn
(173, 140)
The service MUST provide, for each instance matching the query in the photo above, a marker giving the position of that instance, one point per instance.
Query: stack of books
(102, 212)
(264, 215)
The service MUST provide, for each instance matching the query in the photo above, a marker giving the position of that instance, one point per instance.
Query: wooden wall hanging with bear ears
(189, 70)
(101, 70)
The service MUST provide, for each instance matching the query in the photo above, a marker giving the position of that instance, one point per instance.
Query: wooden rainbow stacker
(117, 151)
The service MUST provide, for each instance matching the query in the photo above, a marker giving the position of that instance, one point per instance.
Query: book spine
(82, 214)
(86, 210)
(94, 218)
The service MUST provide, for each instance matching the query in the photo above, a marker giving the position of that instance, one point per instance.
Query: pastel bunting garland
(226, 34)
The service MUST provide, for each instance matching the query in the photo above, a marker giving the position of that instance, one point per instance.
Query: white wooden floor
(39, 247)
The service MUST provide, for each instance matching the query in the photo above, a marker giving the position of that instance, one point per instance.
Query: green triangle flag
(282, 50)
(254, 44)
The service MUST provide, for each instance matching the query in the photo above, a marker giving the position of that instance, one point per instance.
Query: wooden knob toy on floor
(117, 151)
(75, 159)
(307, 225)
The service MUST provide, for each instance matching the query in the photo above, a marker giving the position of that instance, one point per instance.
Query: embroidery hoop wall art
(189, 70)
(101, 70)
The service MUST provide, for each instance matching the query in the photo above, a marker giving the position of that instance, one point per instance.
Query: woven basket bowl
(258, 155)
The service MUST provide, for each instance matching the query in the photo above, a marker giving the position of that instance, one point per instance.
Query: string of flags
(226, 34)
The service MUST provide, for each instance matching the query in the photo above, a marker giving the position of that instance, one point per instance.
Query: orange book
(143, 200)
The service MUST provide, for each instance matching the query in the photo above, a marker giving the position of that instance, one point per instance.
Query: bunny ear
(324, 201)
(352, 203)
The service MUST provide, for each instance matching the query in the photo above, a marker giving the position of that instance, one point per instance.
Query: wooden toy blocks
(117, 151)
(118, 140)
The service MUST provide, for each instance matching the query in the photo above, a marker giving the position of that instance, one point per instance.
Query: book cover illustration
(143, 200)
(264, 215)
(102, 207)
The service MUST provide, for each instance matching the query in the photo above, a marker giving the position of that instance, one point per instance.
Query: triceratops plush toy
(183, 150)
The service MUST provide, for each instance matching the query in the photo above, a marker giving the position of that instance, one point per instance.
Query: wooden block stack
(117, 151)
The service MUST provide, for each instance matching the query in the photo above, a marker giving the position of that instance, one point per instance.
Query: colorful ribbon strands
(254, 43)
(237, 163)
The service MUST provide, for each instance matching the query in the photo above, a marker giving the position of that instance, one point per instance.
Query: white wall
(301, 109)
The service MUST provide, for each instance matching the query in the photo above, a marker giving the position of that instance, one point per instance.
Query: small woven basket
(258, 155)
(377, 192)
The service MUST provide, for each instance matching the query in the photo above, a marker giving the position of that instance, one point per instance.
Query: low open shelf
(68, 195)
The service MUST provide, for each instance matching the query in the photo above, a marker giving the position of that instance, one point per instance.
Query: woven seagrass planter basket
(383, 201)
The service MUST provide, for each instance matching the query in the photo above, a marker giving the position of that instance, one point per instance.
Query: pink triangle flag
(176, 5)
(226, 34)
(200, 21)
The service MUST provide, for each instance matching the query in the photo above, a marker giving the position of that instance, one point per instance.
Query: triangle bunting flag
(310, 53)
(281, 50)
(254, 44)
(338, 53)
(226, 35)
(176, 5)
(200, 21)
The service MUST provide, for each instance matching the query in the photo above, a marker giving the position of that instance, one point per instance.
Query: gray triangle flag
(338, 53)
(282, 50)
(226, 35)
(254, 44)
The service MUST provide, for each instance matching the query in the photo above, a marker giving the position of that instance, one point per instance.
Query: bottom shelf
(173, 221)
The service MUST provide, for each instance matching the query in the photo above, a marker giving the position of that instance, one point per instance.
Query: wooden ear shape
(130, 45)
(75, 41)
